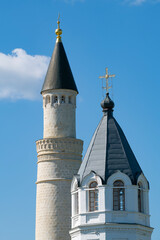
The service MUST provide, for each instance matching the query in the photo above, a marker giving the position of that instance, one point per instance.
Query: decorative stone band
(54, 179)
(60, 145)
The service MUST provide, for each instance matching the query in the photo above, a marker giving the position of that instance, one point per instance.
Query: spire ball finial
(58, 31)
(107, 103)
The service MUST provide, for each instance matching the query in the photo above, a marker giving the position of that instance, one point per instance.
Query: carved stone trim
(58, 159)
(60, 145)
(53, 180)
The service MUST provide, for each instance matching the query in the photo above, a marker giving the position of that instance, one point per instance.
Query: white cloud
(21, 75)
(73, 1)
(136, 2)
(140, 2)
(130, 2)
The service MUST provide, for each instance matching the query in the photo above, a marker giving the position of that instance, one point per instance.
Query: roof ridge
(122, 143)
(93, 137)
(115, 122)
(106, 150)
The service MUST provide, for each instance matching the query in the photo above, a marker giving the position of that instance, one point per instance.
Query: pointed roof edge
(132, 166)
(129, 153)
(59, 74)
(87, 154)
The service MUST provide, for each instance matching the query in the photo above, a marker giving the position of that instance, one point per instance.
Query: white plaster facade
(59, 158)
(106, 223)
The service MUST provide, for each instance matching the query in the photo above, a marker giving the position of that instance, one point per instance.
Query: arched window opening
(118, 196)
(76, 201)
(140, 197)
(48, 100)
(55, 99)
(63, 99)
(69, 99)
(93, 196)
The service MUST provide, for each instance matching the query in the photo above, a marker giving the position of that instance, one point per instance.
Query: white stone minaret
(59, 152)
(110, 194)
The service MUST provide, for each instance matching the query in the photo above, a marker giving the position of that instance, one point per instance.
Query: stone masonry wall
(59, 113)
(58, 160)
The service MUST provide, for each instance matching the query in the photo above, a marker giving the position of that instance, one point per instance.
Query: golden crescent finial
(58, 31)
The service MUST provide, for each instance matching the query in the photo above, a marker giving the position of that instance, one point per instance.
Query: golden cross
(58, 22)
(107, 76)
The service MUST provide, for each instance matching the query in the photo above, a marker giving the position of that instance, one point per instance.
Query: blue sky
(123, 35)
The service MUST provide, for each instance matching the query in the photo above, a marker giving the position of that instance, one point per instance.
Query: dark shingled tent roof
(109, 151)
(59, 74)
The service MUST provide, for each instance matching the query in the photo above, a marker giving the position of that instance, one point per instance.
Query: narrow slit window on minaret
(55, 99)
(48, 100)
(93, 196)
(63, 99)
(118, 196)
(140, 197)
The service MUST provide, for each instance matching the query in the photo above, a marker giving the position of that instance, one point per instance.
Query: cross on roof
(107, 76)
(58, 21)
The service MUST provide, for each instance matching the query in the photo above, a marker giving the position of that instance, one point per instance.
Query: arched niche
(119, 176)
(142, 179)
(91, 177)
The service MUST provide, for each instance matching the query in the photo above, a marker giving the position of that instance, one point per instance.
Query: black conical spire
(59, 74)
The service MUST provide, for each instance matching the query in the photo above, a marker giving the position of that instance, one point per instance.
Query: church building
(103, 197)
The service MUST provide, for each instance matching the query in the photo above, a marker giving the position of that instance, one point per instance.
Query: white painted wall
(131, 221)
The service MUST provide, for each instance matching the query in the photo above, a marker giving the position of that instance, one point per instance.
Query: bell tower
(59, 152)
(110, 193)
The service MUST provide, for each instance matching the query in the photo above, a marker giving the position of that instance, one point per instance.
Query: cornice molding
(59, 145)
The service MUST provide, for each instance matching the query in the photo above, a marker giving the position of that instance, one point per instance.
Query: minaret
(110, 194)
(59, 152)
